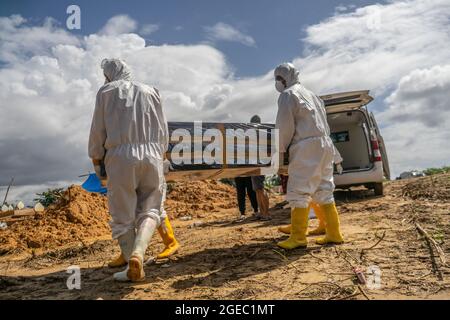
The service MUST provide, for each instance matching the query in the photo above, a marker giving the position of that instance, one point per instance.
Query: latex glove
(339, 168)
(167, 166)
(281, 160)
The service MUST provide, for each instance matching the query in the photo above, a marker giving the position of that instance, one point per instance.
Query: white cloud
(20, 40)
(343, 52)
(343, 8)
(421, 96)
(118, 25)
(148, 29)
(51, 94)
(418, 119)
(224, 32)
(349, 51)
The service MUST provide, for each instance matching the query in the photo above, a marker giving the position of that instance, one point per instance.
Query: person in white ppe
(305, 135)
(129, 133)
(320, 229)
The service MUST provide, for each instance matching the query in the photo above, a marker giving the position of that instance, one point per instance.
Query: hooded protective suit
(129, 131)
(304, 132)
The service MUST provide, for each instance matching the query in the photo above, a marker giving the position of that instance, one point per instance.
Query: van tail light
(376, 150)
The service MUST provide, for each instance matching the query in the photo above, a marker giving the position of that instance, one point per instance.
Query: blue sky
(276, 26)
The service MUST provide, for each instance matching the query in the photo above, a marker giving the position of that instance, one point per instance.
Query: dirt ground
(224, 259)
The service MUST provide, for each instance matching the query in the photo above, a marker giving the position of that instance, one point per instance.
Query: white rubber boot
(126, 243)
(122, 276)
(136, 262)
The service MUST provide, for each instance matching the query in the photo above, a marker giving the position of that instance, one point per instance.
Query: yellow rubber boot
(285, 229)
(171, 244)
(333, 233)
(321, 217)
(299, 222)
(117, 262)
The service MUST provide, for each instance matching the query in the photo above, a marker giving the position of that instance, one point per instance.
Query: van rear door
(386, 169)
(353, 100)
(346, 101)
(350, 107)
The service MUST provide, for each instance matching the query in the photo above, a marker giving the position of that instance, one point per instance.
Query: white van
(356, 135)
(354, 132)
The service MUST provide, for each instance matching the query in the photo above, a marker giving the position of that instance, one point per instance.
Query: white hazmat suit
(129, 131)
(304, 132)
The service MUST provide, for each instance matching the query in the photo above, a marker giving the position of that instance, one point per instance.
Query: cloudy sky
(214, 61)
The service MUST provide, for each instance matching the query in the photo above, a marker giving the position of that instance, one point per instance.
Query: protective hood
(289, 73)
(116, 69)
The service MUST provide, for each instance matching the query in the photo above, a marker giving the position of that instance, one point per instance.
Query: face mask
(279, 86)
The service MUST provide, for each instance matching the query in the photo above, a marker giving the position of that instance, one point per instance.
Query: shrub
(432, 171)
(49, 197)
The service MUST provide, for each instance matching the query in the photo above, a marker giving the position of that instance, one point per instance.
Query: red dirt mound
(80, 215)
(196, 198)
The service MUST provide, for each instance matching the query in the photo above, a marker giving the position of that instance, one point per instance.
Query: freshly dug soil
(198, 198)
(80, 216)
(435, 187)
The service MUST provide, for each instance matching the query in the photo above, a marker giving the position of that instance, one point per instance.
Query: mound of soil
(197, 198)
(435, 187)
(80, 215)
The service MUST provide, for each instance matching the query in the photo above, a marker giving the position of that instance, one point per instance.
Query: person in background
(243, 187)
(258, 187)
(284, 180)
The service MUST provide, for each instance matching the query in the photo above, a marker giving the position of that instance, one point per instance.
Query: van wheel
(378, 188)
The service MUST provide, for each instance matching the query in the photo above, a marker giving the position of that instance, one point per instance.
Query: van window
(341, 136)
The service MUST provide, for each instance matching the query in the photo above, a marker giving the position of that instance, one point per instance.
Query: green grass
(433, 171)
(439, 236)
(49, 197)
